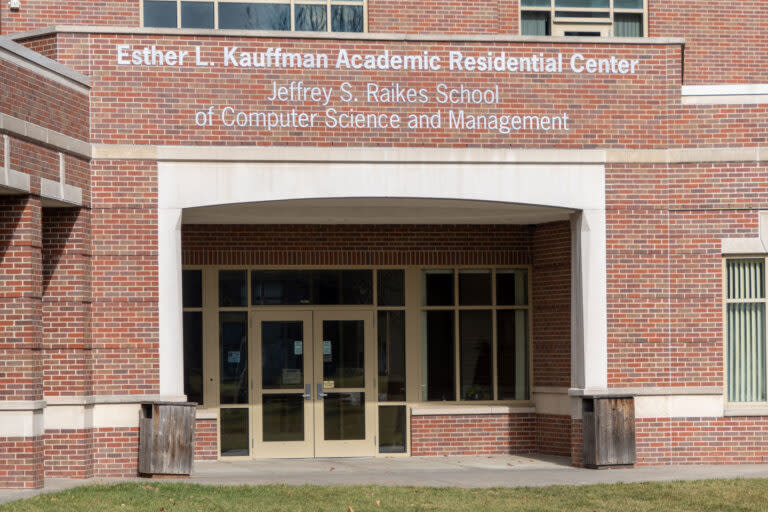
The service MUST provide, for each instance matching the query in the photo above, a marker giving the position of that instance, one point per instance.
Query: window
(299, 15)
(192, 301)
(745, 304)
(475, 335)
(619, 18)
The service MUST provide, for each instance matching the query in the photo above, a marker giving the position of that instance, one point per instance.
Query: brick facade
(473, 434)
(80, 306)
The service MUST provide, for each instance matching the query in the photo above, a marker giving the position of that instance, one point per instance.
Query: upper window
(300, 15)
(600, 18)
(745, 304)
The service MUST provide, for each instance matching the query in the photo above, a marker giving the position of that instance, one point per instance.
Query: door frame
(351, 448)
(313, 444)
(280, 449)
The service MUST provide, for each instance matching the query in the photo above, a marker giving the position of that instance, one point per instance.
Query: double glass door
(312, 390)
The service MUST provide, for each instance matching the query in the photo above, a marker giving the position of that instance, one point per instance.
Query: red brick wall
(69, 453)
(553, 434)
(116, 452)
(66, 253)
(439, 17)
(473, 434)
(206, 440)
(38, 100)
(734, 440)
(725, 42)
(20, 299)
(577, 443)
(604, 116)
(21, 462)
(355, 245)
(552, 304)
(42, 13)
(125, 279)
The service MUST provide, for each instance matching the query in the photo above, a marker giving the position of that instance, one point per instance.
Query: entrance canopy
(375, 211)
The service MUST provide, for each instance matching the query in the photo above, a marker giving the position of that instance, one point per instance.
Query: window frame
(743, 408)
(292, 3)
(581, 23)
(494, 308)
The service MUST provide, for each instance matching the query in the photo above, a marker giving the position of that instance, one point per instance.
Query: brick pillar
(21, 372)
(67, 363)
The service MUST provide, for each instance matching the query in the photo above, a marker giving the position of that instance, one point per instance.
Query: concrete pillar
(589, 345)
(171, 312)
(21, 372)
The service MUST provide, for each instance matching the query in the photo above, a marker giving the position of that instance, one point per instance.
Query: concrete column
(589, 348)
(170, 307)
(21, 373)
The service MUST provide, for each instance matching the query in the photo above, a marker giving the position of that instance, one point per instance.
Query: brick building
(374, 227)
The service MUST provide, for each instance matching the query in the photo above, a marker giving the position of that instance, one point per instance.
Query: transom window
(297, 15)
(601, 18)
(745, 305)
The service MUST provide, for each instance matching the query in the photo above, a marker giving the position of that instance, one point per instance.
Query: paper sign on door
(298, 348)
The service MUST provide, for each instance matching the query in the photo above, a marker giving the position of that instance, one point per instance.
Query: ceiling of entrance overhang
(375, 211)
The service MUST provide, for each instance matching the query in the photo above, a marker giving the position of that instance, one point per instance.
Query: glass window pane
(192, 288)
(233, 354)
(391, 326)
(193, 356)
(344, 416)
(347, 18)
(627, 25)
(746, 278)
(512, 287)
(475, 347)
(233, 288)
(282, 355)
(582, 14)
(536, 3)
(439, 371)
(438, 288)
(281, 287)
(347, 287)
(392, 429)
(512, 358)
(234, 432)
(475, 288)
(252, 16)
(160, 14)
(311, 18)
(283, 417)
(746, 352)
(391, 287)
(591, 4)
(628, 4)
(197, 14)
(343, 349)
(533, 23)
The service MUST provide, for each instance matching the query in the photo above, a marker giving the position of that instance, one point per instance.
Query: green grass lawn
(719, 495)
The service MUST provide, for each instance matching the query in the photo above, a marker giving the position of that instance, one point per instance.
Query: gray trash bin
(166, 438)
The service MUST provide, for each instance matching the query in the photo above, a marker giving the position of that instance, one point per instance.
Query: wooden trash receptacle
(166, 439)
(609, 431)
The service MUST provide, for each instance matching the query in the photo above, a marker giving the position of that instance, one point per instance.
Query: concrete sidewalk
(469, 472)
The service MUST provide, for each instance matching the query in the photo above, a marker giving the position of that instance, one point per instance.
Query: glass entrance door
(312, 380)
(344, 365)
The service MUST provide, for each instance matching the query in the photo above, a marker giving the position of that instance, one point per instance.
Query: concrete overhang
(375, 211)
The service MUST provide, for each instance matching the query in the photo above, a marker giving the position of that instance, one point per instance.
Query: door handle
(307, 392)
(320, 393)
